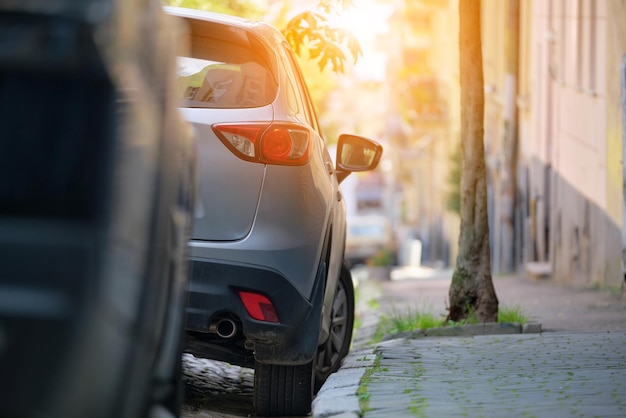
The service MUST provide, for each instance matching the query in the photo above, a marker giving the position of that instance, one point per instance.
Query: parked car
(97, 181)
(270, 288)
(370, 239)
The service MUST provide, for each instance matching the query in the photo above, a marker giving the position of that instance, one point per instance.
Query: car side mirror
(356, 153)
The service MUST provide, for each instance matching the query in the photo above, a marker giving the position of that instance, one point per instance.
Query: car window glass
(225, 69)
(292, 94)
(303, 92)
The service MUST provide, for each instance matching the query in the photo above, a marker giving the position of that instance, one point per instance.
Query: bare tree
(471, 291)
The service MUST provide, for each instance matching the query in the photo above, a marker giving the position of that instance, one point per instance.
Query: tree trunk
(471, 291)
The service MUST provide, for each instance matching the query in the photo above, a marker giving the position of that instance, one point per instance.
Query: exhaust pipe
(226, 328)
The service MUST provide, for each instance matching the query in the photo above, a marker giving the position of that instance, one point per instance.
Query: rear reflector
(258, 306)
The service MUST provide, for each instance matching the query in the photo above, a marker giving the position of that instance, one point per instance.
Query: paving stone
(363, 358)
(343, 378)
(334, 405)
(332, 392)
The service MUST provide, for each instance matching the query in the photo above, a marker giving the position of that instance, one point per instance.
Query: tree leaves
(307, 31)
(325, 43)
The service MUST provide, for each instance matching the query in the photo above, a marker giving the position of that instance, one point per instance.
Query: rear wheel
(331, 353)
(281, 391)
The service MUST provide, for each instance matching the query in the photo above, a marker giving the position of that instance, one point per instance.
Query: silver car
(269, 286)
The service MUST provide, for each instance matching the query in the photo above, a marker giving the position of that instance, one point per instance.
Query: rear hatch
(228, 76)
(229, 187)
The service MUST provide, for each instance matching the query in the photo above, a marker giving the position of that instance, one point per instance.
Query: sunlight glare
(367, 20)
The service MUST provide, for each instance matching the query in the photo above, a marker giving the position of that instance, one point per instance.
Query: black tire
(283, 391)
(334, 350)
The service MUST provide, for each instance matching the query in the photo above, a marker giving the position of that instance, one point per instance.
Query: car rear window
(227, 68)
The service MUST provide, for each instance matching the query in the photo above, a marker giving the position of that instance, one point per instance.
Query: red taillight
(258, 306)
(276, 143)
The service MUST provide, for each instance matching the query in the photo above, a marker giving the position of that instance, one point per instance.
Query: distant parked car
(269, 288)
(370, 237)
(97, 181)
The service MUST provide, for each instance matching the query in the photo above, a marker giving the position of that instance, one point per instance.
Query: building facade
(554, 126)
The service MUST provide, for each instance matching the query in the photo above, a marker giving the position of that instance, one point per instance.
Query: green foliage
(413, 320)
(361, 391)
(381, 258)
(512, 314)
(373, 304)
(409, 320)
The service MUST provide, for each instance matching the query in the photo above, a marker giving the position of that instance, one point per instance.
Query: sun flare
(366, 20)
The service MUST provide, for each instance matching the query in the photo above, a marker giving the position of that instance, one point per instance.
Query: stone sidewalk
(555, 374)
(576, 369)
(523, 375)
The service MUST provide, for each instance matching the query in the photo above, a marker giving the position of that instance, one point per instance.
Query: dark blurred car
(97, 180)
(269, 288)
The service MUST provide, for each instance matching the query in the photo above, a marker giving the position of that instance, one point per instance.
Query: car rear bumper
(213, 296)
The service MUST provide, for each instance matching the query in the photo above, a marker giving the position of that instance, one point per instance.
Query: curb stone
(337, 398)
(531, 328)
(492, 328)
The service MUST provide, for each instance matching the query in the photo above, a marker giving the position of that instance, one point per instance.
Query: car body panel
(286, 240)
(286, 233)
(229, 217)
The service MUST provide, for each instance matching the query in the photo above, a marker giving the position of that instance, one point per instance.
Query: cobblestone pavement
(577, 369)
(522, 375)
